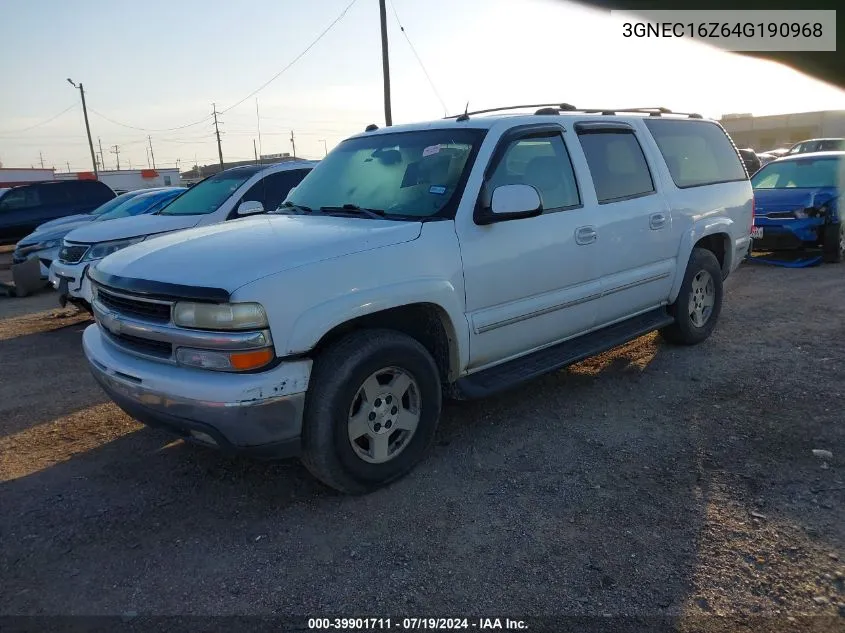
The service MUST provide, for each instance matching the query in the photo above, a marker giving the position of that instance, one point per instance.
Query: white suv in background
(458, 257)
(228, 195)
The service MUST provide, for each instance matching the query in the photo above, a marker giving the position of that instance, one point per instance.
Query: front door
(533, 281)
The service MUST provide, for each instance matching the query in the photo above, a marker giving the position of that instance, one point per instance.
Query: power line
(414, 51)
(32, 127)
(146, 129)
(295, 59)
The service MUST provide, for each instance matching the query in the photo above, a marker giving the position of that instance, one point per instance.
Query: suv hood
(235, 253)
(769, 200)
(125, 228)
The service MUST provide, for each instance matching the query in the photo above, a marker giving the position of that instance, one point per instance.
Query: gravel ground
(651, 481)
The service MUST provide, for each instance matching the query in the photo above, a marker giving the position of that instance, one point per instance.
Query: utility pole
(102, 160)
(116, 151)
(255, 150)
(217, 132)
(258, 122)
(41, 157)
(149, 138)
(385, 64)
(325, 147)
(87, 127)
(293, 143)
(148, 157)
(68, 166)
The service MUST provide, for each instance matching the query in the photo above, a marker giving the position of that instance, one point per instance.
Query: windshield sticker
(431, 149)
(439, 190)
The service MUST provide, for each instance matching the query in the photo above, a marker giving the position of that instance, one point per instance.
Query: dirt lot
(650, 481)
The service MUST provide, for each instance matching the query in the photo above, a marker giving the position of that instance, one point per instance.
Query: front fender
(320, 319)
(699, 230)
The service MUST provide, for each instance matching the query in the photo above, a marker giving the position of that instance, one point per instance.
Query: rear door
(635, 244)
(56, 201)
(19, 212)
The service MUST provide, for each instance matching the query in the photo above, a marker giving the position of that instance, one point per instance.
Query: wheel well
(717, 244)
(425, 322)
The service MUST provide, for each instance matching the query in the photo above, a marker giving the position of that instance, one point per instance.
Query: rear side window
(54, 194)
(617, 164)
(89, 192)
(20, 198)
(696, 152)
(542, 162)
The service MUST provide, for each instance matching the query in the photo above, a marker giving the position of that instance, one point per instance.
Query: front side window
(417, 174)
(210, 194)
(17, 199)
(542, 162)
(696, 152)
(809, 173)
(617, 164)
(271, 190)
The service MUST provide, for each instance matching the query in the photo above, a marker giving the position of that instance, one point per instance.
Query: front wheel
(371, 410)
(834, 243)
(699, 301)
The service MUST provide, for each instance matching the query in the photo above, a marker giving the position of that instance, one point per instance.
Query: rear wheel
(371, 411)
(834, 243)
(699, 302)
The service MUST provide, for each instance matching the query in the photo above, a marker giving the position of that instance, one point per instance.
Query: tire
(342, 400)
(699, 302)
(833, 244)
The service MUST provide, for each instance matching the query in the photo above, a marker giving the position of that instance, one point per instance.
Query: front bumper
(259, 414)
(788, 234)
(45, 258)
(78, 284)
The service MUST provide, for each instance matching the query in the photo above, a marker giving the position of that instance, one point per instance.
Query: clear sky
(161, 63)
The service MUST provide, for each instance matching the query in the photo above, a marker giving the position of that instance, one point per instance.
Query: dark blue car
(798, 204)
(25, 207)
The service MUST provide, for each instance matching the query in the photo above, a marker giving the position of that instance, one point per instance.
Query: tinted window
(543, 162)
(417, 173)
(801, 173)
(207, 196)
(95, 192)
(146, 203)
(21, 198)
(114, 203)
(55, 195)
(273, 189)
(617, 164)
(696, 152)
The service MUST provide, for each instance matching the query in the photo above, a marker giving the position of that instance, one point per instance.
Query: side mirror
(250, 207)
(510, 202)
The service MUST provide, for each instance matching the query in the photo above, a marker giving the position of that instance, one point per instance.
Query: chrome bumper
(264, 427)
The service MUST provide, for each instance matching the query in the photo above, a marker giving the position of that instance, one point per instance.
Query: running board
(519, 370)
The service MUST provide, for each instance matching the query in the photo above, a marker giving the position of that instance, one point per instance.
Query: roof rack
(557, 108)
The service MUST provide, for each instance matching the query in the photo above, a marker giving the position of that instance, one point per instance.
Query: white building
(129, 179)
(14, 176)
(763, 133)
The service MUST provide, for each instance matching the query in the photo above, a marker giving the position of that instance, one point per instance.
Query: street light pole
(87, 127)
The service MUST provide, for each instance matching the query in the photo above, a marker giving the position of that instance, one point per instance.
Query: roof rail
(555, 108)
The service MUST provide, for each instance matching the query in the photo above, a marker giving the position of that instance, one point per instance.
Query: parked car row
(755, 160)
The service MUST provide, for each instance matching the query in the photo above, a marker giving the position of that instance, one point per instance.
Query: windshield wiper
(376, 214)
(287, 204)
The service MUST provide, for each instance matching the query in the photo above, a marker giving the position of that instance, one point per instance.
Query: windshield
(810, 173)
(403, 173)
(114, 203)
(147, 203)
(207, 196)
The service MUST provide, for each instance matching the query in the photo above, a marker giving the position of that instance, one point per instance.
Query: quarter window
(543, 162)
(617, 164)
(696, 152)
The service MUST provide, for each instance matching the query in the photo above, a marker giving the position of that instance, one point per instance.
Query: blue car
(45, 242)
(798, 204)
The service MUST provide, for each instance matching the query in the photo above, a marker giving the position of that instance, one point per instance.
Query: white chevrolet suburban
(453, 258)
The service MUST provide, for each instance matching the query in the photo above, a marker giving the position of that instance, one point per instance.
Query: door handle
(656, 221)
(585, 235)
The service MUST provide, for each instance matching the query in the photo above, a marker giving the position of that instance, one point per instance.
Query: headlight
(800, 213)
(98, 251)
(219, 316)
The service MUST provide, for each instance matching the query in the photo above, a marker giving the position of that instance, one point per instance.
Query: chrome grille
(156, 311)
(143, 346)
(72, 253)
